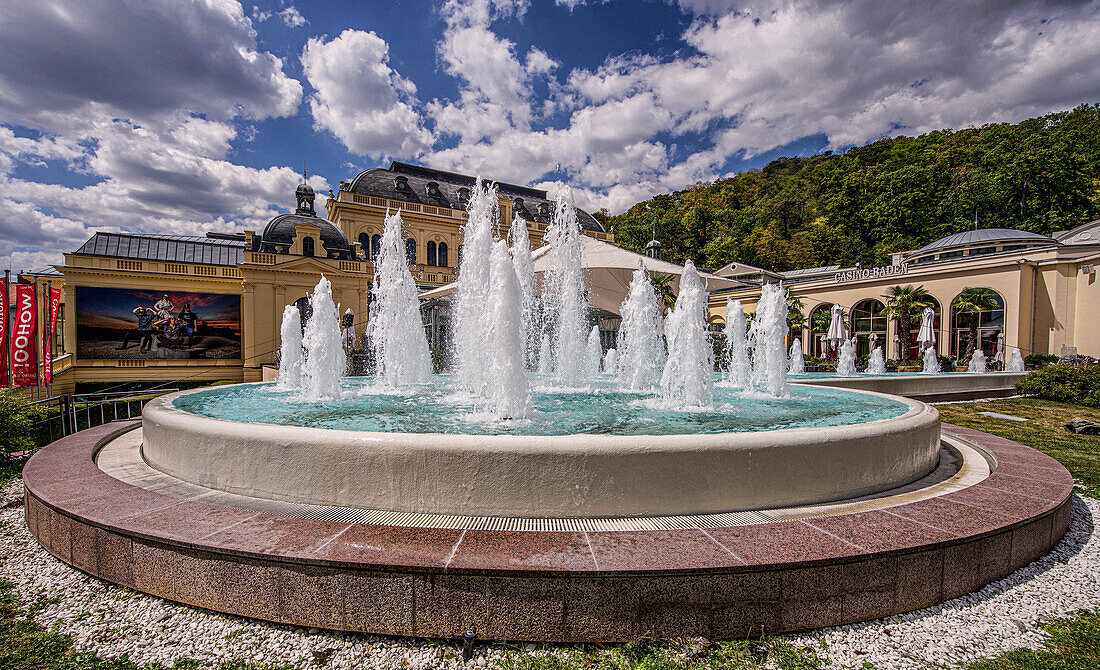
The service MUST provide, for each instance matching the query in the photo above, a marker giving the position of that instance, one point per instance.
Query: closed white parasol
(836, 327)
(926, 338)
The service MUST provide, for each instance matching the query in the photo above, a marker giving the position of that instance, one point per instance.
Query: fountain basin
(545, 476)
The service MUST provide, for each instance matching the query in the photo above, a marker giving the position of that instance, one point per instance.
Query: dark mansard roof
(414, 183)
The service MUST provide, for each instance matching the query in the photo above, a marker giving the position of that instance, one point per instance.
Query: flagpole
(7, 350)
(49, 335)
(39, 369)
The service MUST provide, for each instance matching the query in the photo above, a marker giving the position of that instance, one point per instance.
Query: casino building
(234, 286)
(1047, 294)
(142, 307)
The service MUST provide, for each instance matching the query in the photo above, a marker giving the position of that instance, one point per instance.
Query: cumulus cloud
(144, 101)
(761, 74)
(362, 100)
(62, 61)
(496, 93)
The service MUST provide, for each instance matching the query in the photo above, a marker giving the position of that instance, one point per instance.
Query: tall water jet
(641, 355)
(471, 307)
(797, 359)
(738, 365)
(324, 355)
(400, 345)
(766, 335)
(525, 274)
(546, 356)
(611, 361)
(688, 377)
(593, 354)
(978, 362)
(290, 350)
(507, 382)
(876, 363)
(846, 359)
(931, 362)
(563, 296)
(1015, 361)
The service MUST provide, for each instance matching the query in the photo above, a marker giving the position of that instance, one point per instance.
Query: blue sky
(182, 117)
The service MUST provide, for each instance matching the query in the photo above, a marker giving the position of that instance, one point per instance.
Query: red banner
(47, 335)
(4, 334)
(24, 354)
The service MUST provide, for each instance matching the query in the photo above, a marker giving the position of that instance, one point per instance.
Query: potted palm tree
(971, 302)
(903, 304)
(795, 320)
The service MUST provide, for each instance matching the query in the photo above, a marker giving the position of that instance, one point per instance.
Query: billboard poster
(141, 324)
(24, 352)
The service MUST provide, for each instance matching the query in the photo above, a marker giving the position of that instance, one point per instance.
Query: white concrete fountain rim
(543, 476)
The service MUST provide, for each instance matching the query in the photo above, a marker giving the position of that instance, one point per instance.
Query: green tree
(970, 303)
(903, 304)
(890, 196)
(795, 320)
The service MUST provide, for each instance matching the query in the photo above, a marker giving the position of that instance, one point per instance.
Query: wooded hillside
(897, 194)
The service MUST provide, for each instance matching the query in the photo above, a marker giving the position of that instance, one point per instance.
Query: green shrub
(16, 417)
(1039, 360)
(1064, 383)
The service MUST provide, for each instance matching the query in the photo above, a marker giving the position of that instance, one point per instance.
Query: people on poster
(143, 332)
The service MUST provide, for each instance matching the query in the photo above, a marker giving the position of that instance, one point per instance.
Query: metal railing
(64, 415)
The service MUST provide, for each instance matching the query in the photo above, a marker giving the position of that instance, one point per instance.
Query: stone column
(280, 304)
(251, 364)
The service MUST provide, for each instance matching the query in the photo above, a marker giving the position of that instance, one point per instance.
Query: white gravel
(115, 621)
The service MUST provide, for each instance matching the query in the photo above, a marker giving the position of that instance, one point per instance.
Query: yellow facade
(1050, 293)
(266, 282)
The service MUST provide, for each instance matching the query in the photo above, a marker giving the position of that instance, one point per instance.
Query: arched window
(914, 330)
(307, 246)
(375, 246)
(867, 320)
(443, 255)
(364, 244)
(987, 324)
(410, 250)
(819, 327)
(430, 253)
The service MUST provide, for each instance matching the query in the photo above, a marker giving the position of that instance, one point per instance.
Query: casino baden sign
(859, 274)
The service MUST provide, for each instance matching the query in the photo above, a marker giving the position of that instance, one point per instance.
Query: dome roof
(985, 235)
(304, 189)
(280, 232)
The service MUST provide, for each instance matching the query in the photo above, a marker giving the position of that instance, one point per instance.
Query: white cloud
(763, 74)
(360, 99)
(290, 15)
(145, 100)
(62, 61)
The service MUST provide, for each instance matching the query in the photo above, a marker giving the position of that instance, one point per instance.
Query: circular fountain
(596, 453)
(571, 503)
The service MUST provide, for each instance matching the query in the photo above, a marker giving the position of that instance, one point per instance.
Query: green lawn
(1043, 431)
